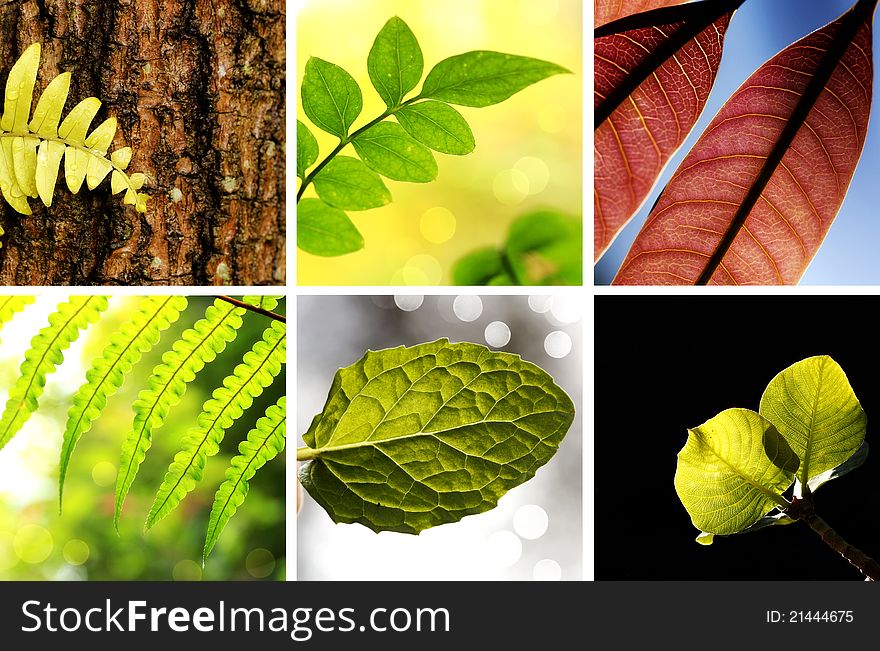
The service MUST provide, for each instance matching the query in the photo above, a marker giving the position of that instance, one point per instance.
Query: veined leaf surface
(389, 150)
(813, 406)
(346, 183)
(330, 97)
(415, 437)
(753, 200)
(654, 73)
(608, 10)
(733, 470)
(306, 149)
(325, 230)
(395, 62)
(437, 125)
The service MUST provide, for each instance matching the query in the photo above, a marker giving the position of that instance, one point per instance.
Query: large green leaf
(733, 470)
(437, 125)
(325, 230)
(546, 248)
(346, 183)
(395, 62)
(389, 150)
(330, 97)
(813, 406)
(484, 266)
(306, 149)
(482, 78)
(415, 437)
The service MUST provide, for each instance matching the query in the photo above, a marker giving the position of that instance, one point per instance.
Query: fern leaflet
(9, 305)
(46, 352)
(31, 152)
(264, 443)
(154, 314)
(196, 347)
(256, 371)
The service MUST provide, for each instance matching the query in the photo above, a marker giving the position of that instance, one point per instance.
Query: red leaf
(654, 72)
(753, 200)
(608, 10)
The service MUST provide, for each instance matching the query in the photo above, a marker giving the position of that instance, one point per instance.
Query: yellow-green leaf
(8, 184)
(74, 127)
(20, 91)
(24, 154)
(48, 160)
(118, 182)
(50, 106)
(102, 136)
(121, 157)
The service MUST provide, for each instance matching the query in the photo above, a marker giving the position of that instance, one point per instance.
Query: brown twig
(253, 308)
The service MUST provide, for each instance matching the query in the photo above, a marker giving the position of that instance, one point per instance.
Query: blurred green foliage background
(529, 147)
(36, 542)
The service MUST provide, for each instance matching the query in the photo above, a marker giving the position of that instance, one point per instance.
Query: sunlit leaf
(395, 62)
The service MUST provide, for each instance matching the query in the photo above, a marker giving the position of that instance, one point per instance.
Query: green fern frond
(9, 305)
(31, 152)
(154, 314)
(264, 442)
(259, 367)
(46, 352)
(196, 347)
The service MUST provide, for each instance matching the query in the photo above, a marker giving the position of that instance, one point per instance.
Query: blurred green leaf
(481, 267)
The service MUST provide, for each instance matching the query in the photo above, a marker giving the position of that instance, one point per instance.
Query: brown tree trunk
(197, 87)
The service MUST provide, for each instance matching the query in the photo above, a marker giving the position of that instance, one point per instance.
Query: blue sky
(760, 29)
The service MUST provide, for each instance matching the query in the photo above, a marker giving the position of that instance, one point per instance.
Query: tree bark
(197, 87)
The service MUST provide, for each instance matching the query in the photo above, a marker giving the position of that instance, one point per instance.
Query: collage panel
(142, 437)
(143, 143)
(724, 425)
(454, 417)
(456, 155)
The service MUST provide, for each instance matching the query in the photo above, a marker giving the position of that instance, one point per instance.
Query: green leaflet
(196, 347)
(330, 97)
(257, 370)
(813, 406)
(154, 314)
(483, 78)
(348, 184)
(410, 438)
(324, 230)
(9, 305)
(437, 125)
(264, 442)
(484, 266)
(31, 152)
(389, 150)
(733, 470)
(46, 352)
(542, 248)
(395, 62)
(306, 149)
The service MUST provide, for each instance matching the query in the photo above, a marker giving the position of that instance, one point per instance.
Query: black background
(666, 363)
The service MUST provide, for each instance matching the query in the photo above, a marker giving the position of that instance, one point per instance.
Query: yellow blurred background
(528, 153)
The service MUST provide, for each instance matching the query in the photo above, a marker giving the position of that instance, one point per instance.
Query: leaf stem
(253, 308)
(344, 141)
(306, 453)
(805, 510)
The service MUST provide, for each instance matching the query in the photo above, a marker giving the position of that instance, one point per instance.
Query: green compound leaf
(196, 347)
(330, 97)
(481, 267)
(437, 125)
(389, 150)
(260, 366)
(733, 470)
(263, 443)
(10, 305)
(482, 78)
(306, 149)
(324, 230)
(348, 184)
(546, 248)
(137, 336)
(411, 438)
(813, 406)
(395, 62)
(46, 352)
